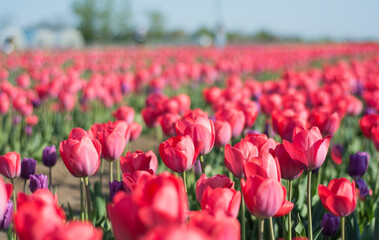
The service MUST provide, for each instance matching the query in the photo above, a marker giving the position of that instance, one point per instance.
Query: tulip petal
(296, 154)
(285, 209)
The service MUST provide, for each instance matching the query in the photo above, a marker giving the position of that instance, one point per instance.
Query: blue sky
(338, 19)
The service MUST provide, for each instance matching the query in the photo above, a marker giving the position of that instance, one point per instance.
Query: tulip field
(249, 142)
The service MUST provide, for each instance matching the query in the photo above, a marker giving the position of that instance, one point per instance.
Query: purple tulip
(28, 130)
(115, 187)
(362, 186)
(16, 120)
(358, 164)
(37, 181)
(28, 167)
(8, 216)
(49, 156)
(330, 224)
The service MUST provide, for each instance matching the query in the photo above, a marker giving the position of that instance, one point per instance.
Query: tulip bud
(358, 164)
(28, 167)
(178, 153)
(115, 187)
(330, 224)
(337, 152)
(223, 132)
(49, 156)
(8, 216)
(362, 186)
(37, 181)
(10, 165)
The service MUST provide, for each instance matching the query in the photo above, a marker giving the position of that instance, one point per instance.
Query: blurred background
(79, 23)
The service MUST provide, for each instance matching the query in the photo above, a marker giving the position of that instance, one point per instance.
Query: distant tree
(86, 11)
(156, 24)
(105, 21)
(123, 26)
(203, 31)
(265, 36)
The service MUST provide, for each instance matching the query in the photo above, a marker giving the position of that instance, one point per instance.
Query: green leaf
(299, 229)
(368, 231)
(70, 214)
(317, 234)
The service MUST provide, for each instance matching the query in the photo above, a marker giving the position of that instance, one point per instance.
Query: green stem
(101, 173)
(309, 203)
(89, 202)
(111, 171)
(289, 214)
(243, 215)
(50, 180)
(377, 176)
(24, 185)
(261, 228)
(14, 196)
(184, 180)
(343, 228)
(272, 235)
(81, 200)
(118, 170)
(202, 163)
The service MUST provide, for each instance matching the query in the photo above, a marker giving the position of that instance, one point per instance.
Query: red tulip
(221, 201)
(3, 198)
(284, 121)
(184, 102)
(112, 142)
(270, 102)
(178, 153)
(157, 201)
(234, 117)
(80, 154)
(150, 116)
(168, 121)
(78, 230)
(10, 165)
(264, 197)
(262, 142)
(237, 156)
(38, 215)
(4, 103)
(212, 94)
(308, 149)
(265, 166)
(327, 121)
(175, 232)
(217, 181)
(367, 123)
(339, 197)
(223, 133)
(194, 113)
(125, 114)
(32, 120)
(250, 110)
(139, 161)
(135, 130)
(131, 179)
(220, 228)
(375, 137)
(200, 129)
(288, 168)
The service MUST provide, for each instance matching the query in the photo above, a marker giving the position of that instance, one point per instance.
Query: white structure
(69, 38)
(16, 34)
(42, 38)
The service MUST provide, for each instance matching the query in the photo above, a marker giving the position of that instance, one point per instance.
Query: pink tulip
(80, 154)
